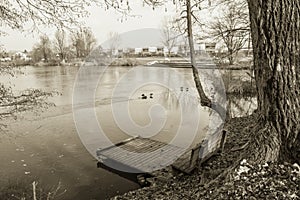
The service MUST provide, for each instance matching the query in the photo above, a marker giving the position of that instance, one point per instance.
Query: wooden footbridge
(143, 155)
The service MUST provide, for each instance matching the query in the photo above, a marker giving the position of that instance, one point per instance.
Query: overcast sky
(101, 23)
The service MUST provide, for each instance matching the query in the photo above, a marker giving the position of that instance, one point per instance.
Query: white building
(138, 50)
(152, 50)
(22, 56)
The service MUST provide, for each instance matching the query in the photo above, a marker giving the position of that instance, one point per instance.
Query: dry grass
(19, 190)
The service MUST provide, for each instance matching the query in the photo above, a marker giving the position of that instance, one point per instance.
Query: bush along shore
(246, 181)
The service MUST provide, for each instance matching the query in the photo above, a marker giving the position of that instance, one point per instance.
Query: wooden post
(223, 140)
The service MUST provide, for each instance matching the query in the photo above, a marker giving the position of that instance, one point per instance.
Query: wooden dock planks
(145, 155)
(142, 154)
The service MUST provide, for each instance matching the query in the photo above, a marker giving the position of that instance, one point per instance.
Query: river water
(57, 146)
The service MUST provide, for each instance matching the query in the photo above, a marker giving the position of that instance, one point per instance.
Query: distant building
(138, 51)
(153, 51)
(173, 52)
(160, 51)
(5, 59)
(210, 47)
(21, 56)
(145, 51)
(128, 52)
(120, 52)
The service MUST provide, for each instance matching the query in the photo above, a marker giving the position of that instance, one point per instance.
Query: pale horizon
(101, 22)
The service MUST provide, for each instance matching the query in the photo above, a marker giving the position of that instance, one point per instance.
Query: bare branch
(60, 13)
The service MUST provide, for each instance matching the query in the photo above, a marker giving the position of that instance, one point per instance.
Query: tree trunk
(276, 45)
(205, 101)
(230, 57)
(249, 44)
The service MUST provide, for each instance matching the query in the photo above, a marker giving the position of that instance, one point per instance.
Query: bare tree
(77, 39)
(90, 41)
(43, 49)
(60, 43)
(114, 41)
(232, 27)
(205, 101)
(83, 41)
(169, 37)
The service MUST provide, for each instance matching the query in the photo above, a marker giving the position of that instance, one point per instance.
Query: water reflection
(61, 79)
(54, 78)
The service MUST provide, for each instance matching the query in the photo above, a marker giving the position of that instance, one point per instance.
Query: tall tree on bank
(189, 7)
(276, 46)
(205, 101)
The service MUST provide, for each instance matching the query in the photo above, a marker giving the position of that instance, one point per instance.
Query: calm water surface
(47, 148)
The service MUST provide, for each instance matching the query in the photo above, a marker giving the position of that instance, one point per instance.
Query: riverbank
(268, 181)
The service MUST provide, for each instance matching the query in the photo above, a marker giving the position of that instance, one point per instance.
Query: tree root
(240, 148)
(263, 146)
